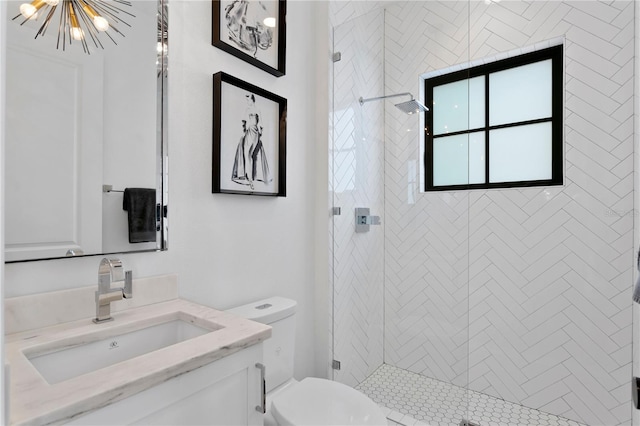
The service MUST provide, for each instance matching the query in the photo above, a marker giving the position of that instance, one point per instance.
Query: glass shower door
(357, 176)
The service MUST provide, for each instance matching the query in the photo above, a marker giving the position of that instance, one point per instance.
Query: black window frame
(554, 53)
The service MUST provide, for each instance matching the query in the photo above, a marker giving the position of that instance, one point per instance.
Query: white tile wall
(341, 11)
(549, 269)
(427, 236)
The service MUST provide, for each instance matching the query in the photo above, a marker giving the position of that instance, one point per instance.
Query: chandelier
(81, 21)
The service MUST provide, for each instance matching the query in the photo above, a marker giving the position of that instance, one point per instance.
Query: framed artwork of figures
(249, 138)
(252, 30)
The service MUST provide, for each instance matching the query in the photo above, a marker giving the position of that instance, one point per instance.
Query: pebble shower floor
(414, 400)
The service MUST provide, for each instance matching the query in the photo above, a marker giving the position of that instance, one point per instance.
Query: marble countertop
(34, 401)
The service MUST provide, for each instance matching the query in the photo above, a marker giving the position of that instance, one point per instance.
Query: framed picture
(252, 30)
(249, 139)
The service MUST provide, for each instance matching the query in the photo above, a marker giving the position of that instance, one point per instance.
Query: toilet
(311, 401)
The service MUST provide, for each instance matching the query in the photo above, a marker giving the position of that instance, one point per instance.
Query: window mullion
(486, 129)
(521, 123)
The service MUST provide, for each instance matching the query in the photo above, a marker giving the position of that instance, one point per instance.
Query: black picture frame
(251, 40)
(249, 139)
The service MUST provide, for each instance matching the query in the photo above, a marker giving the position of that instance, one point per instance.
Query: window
(497, 125)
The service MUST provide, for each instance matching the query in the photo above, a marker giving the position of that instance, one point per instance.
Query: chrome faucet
(110, 270)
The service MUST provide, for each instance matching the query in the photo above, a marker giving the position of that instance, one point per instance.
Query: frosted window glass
(476, 103)
(476, 157)
(450, 160)
(520, 153)
(520, 94)
(458, 160)
(451, 107)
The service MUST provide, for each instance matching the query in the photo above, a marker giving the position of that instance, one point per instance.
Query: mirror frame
(162, 187)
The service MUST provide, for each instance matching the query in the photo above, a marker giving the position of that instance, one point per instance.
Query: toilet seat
(323, 402)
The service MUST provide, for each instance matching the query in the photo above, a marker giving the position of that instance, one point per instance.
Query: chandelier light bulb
(30, 10)
(77, 33)
(100, 23)
(52, 2)
(270, 22)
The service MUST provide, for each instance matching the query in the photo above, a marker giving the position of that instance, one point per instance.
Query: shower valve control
(364, 220)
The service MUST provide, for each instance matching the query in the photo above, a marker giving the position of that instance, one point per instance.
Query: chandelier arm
(114, 17)
(109, 9)
(61, 26)
(115, 29)
(111, 38)
(45, 24)
(18, 16)
(79, 11)
(89, 24)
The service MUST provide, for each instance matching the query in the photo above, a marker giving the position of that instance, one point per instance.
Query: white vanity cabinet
(174, 362)
(223, 392)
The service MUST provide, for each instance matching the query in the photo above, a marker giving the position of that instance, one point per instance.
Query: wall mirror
(80, 129)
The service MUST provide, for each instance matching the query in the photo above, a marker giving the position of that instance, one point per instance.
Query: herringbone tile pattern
(341, 11)
(541, 275)
(549, 269)
(427, 236)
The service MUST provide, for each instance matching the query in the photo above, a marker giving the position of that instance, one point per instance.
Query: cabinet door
(225, 392)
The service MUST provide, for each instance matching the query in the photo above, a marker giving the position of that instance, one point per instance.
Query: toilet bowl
(314, 401)
(311, 401)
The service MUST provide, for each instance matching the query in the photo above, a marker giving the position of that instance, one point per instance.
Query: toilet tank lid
(266, 311)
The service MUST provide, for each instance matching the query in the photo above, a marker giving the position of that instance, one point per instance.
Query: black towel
(140, 204)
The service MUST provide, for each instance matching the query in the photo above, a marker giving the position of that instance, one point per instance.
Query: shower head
(409, 107)
(412, 106)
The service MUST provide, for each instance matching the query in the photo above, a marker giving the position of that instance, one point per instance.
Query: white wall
(230, 249)
(3, 18)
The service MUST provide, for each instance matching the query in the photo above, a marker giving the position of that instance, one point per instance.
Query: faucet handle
(116, 270)
(127, 291)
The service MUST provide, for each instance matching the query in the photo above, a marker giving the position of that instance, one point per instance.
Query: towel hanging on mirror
(140, 204)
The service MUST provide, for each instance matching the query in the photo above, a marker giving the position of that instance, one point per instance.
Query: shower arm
(362, 101)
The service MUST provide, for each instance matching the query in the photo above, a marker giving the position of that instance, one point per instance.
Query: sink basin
(62, 372)
(70, 362)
